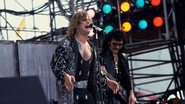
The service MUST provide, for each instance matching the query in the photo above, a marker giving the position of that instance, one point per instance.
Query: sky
(40, 21)
(9, 22)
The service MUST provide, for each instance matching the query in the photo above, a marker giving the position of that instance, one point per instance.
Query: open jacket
(65, 59)
(123, 76)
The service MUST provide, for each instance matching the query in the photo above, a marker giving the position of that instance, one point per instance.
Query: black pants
(115, 99)
(83, 96)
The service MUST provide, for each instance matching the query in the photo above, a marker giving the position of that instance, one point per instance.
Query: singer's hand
(68, 81)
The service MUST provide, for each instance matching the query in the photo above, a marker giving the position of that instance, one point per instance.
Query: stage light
(125, 6)
(91, 13)
(110, 16)
(158, 21)
(155, 2)
(107, 8)
(136, 18)
(140, 3)
(126, 26)
(142, 24)
(108, 28)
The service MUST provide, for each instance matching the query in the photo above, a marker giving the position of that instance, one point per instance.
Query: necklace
(116, 67)
(116, 62)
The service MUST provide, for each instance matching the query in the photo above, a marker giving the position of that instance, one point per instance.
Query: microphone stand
(96, 28)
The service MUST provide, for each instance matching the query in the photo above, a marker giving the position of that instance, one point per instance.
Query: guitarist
(114, 65)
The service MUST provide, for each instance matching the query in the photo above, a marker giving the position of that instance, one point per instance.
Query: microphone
(95, 27)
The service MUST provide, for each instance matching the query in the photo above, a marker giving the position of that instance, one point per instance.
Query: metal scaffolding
(171, 39)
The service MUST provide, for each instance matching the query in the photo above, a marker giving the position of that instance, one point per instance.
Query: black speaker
(22, 90)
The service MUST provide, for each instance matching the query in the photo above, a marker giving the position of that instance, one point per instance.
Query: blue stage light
(142, 24)
(107, 8)
(108, 28)
(140, 3)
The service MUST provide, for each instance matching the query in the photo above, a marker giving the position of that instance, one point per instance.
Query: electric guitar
(122, 93)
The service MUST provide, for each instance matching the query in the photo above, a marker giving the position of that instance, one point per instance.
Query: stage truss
(173, 41)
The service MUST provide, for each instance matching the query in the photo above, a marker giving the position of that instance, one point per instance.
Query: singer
(75, 67)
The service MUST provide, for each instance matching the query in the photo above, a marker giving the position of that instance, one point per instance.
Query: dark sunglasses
(117, 44)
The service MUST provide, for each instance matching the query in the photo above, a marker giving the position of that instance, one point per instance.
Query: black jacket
(65, 59)
(123, 76)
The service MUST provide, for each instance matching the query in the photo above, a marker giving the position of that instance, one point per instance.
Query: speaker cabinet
(22, 90)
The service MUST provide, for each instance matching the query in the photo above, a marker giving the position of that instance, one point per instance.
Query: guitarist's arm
(132, 98)
(111, 83)
(121, 91)
(129, 87)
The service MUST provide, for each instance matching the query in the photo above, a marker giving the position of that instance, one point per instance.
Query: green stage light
(140, 3)
(142, 24)
(107, 8)
(108, 28)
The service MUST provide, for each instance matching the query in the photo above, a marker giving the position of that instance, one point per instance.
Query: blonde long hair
(75, 22)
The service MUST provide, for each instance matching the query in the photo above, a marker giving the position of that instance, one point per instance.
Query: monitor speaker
(22, 90)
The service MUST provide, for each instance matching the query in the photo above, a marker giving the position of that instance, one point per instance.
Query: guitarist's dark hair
(117, 35)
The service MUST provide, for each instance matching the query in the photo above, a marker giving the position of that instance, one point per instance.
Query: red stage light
(155, 2)
(158, 21)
